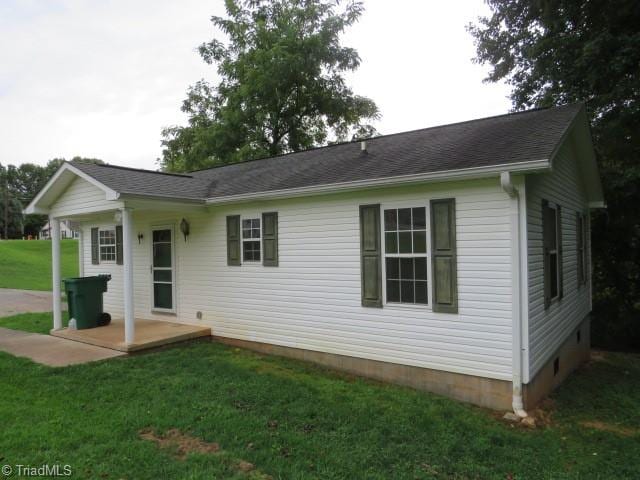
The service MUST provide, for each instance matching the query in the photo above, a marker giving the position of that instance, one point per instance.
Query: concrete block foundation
(574, 352)
(484, 392)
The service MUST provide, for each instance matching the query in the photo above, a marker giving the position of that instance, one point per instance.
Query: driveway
(52, 351)
(13, 301)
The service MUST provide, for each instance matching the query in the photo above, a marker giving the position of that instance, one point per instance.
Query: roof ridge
(337, 144)
(120, 167)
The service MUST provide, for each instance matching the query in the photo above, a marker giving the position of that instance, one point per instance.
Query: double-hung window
(552, 251)
(251, 239)
(581, 236)
(107, 245)
(405, 251)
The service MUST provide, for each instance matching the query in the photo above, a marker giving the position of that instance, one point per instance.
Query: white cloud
(101, 78)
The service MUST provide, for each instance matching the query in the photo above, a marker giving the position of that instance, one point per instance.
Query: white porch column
(54, 223)
(127, 260)
(80, 252)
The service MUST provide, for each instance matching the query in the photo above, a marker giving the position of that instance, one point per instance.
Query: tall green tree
(282, 87)
(558, 51)
(11, 217)
(18, 186)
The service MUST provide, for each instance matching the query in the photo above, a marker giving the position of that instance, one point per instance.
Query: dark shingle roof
(134, 181)
(494, 141)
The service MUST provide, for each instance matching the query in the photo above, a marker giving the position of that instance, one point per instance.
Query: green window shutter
(270, 239)
(560, 262)
(547, 241)
(444, 256)
(233, 240)
(370, 256)
(95, 247)
(119, 244)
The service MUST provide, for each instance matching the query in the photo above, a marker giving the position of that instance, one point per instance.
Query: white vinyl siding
(313, 299)
(82, 197)
(113, 298)
(549, 328)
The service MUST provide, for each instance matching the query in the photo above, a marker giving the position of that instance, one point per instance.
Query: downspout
(506, 182)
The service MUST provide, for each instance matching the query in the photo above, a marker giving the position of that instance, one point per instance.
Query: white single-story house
(454, 259)
(66, 230)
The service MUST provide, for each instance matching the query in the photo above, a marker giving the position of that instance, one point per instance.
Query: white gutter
(168, 198)
(459, 174)
(517, 305)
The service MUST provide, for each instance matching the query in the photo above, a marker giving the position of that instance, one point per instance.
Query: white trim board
(33, 206)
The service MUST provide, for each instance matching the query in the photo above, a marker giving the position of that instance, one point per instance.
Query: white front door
(163, 269)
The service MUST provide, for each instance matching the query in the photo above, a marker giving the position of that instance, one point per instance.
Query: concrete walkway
(52, 351)
(13, 301)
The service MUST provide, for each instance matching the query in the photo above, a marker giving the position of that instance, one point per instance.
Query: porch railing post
(54, 225)
(127, 260)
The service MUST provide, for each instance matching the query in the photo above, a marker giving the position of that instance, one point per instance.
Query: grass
(293, 420)
(26, 264)
(32, 322)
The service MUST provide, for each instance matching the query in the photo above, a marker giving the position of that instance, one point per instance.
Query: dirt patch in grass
(543, 413)
(539, 417)
(607, 427)
(181, 443)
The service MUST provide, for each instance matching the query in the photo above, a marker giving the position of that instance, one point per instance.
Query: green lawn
(26, 264)
(32, 322)
(292, 420)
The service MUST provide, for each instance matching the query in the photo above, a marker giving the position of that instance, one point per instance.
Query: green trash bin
(84, 296)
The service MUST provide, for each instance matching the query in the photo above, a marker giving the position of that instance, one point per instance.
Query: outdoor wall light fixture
(140, 237)
(184, 228)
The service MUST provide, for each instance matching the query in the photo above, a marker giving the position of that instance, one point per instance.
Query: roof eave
(447, 175)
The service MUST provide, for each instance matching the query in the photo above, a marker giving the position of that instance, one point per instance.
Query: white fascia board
(460, 174)
(599, 204)
(110, 193)
(33, 205)
(30, 209)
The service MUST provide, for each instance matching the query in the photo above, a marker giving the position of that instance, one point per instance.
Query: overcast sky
(100, 78)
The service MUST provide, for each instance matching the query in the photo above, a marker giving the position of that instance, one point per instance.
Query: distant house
(454, 259)
(65, 231)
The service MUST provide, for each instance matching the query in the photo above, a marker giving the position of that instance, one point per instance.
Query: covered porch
(148, 334)
(128, 331)
(143, 303)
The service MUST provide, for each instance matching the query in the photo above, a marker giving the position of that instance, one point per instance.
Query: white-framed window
(107, 244)
(405, 255)
(552, 241)
(581, 239)
(251, 239)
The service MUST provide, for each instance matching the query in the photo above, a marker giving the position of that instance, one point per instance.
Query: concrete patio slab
(14, 301)
(52, 351)
(148, 334)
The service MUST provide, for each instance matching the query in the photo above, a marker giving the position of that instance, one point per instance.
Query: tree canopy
(18, 186)
(281, 85)
(558, 51)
